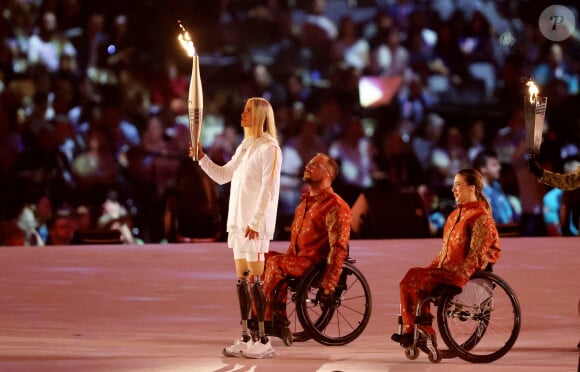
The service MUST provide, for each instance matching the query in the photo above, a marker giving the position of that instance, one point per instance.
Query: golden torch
(534, 111)
(195, 99)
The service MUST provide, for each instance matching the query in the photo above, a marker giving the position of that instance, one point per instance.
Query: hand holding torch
(195, 98)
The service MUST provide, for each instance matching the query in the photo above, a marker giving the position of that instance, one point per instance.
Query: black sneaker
(405, 339)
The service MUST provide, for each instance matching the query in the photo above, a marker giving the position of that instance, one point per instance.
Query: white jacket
(254, 172)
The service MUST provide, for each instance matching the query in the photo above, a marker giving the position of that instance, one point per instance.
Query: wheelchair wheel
(342, 319)
(482, 323)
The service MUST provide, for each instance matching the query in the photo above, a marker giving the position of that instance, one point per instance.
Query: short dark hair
(333, 164)
(482, 157)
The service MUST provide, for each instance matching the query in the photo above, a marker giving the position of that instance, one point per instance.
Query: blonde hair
(474, 178)
(262, 119)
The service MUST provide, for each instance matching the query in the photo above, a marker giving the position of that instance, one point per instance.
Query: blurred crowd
(94, 130)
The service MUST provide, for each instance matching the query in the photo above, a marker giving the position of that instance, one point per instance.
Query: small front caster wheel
(435, 358)
(412, 353)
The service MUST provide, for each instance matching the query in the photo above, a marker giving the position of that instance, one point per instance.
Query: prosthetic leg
(260, 303)
(243, 288)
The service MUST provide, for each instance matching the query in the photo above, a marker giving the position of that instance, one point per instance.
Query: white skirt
(251, 250)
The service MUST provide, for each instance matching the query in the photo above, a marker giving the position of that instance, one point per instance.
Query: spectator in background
(477, 43)
(114, 216)
(431, 206)
(122, 50)
(554, 67)
(425, 138)
(355, 154)
(375, 30)
(397, 168)
(296, 151)
(28, 224)
(47, 44)
(448, 157)
(317, 34)
(509, 138)
(11, 234)
(160, 162)
(43, 213)
(61, 227)
(95, 170)
(169, 85)
(84, 219)
(318, 27)
(153, 166)
(448, 60)
(415, 102)
(348, 47)
(475, 137)
(122, 134)
(91, 46)
(298, 92)
(265, 86)
(390, 57)
(502, 209)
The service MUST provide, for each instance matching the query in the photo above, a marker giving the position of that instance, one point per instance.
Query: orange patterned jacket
(470, 242)
(321, 231)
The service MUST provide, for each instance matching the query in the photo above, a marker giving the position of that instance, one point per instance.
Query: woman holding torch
(254, 173)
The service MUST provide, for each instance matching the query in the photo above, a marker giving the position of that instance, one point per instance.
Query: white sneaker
(238, 349)
(258, 350)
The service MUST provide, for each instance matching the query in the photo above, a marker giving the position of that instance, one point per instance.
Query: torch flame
(186, 42)
(533, 91)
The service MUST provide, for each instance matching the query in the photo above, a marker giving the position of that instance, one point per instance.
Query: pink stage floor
(173, 308)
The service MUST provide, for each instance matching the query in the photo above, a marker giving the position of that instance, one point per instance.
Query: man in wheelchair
(470, 243)
(320, 232)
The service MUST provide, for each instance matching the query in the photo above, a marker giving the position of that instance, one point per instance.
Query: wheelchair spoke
(343, 319)
(481, 323)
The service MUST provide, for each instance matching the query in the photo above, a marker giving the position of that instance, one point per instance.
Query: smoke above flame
(185, 41)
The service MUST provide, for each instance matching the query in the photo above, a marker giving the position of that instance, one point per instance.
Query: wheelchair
(479, 323)
(332, 320)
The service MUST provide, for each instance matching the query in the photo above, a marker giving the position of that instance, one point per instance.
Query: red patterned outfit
(470, 242)
(320, 231)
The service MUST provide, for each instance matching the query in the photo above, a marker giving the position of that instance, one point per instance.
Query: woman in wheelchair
(320, 232)
(470, 243)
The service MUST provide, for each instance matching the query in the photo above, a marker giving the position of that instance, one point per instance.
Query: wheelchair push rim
(346, 316)
(482, 323)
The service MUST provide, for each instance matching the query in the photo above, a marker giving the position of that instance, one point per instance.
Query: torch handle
(195, 106)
